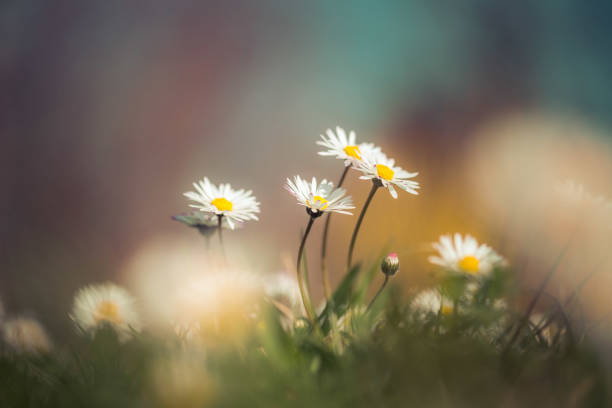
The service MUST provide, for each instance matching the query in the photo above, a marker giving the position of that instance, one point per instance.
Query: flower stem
(375, 185)
(304, 291)
(219, 230)
(324, 274)
(382, 287)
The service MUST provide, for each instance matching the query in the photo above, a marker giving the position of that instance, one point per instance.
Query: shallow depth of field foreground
(256, 204)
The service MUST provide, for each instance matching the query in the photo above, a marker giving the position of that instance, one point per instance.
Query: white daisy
(343, 147)
(107, 303)
(375, 165)
(24, 335)
(575, 194)
(282, 288)
(465, 255)
(233, 205)
(319, 198)
(431, 301)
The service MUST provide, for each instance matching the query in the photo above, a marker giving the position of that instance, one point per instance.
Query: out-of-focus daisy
(188, 331)
(319, 198)
(375, 165)
(282, 288)
(431, 301)
(572, 192)
(205, 223)
(105, 304)
(218, 307)
(233, 205)
(344, 147)
(465, 255)
(283, 292)
(24, 335)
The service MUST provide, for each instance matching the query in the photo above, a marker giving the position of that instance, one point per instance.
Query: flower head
(218, 307)
(343, 147)
(105, 304)
(390, 265)
(431, 301)
(375, 165)
(319, 198)
(25, 336)
(283, 288)
(464, 255)
(233, 205)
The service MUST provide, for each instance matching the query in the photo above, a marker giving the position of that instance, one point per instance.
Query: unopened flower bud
(390, 265)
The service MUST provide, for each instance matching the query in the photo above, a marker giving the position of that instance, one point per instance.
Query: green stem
(382, 287)
(304, 291)
(324, 274)
(375, 185)
(219, 230)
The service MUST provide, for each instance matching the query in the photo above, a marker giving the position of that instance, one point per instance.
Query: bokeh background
(110, 110)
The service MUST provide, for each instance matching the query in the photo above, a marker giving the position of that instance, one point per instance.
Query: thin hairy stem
(220, 233)
(304, 291)
(382, 287)
(324, 274)
(375, 185)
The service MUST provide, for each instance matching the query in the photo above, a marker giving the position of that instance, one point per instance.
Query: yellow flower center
(384, 172)
(353, 151)
(469, 264)
(222, 204)
(319, 201)
(447, 310)
(107, 311)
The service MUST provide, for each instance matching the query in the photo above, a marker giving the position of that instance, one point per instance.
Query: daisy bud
(390, 265)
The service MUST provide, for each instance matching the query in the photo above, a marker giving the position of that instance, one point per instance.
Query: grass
(391, 355)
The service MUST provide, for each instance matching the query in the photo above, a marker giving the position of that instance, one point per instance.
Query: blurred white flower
(594, 209)
(217, 307)
(233, 205)
(283, 288)
(25, 336)
(105, 304)
(431, 301)
(465, 255)
(343, 147)
(375, 165)
(188, 331)
(319, 198)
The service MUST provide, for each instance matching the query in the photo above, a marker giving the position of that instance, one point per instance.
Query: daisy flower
(282, 288)
(24, 335)
(431, 301)
(319, 198)
(233, 205)
(465, 255)
(344, 147)
(105, 304)
(376, 166)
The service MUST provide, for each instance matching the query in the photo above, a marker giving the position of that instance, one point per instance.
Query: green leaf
(340, 300)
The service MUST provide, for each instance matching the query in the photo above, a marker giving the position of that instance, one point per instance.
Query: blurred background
(110, 110)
